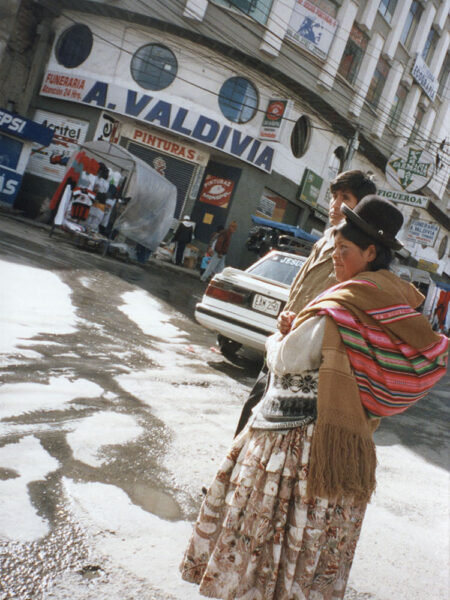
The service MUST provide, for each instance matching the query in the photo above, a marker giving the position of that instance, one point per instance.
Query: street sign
(410, 169)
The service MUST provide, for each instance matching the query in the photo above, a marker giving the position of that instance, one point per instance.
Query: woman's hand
(285, 320)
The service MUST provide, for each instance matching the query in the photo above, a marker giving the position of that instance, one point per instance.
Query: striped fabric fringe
(391, 375)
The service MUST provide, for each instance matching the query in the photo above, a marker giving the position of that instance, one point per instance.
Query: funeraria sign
(161, 113)
(410, 169)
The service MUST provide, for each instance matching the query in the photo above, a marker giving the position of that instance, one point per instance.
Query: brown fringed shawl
(343, 458)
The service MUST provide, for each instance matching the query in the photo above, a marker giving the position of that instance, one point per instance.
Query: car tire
(228, 347)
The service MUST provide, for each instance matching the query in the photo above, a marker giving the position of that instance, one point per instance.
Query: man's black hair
(355, 181)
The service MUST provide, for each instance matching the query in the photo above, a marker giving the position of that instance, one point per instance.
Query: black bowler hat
(378, 218)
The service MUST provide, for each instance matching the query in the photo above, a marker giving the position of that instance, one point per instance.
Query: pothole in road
(153, 500)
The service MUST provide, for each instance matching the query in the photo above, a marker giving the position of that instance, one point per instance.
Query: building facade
(249, 107)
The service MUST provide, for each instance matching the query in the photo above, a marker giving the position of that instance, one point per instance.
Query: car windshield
(278, 267)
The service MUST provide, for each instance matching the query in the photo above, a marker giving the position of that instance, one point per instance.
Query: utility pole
(353, 145)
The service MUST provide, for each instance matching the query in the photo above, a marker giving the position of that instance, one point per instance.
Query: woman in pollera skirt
(282, 517)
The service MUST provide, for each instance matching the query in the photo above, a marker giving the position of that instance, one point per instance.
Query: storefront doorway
(214, 200)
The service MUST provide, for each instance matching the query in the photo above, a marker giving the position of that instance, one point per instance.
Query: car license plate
(266, 305)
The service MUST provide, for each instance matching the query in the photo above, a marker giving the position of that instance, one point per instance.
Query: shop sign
(426, 265)
(425, 78)
(216, 191)
(277, 112)
(9, 185)
(423, 232)
(161, 113)
(310, 188)
(50, 161)
(312, 28)
(402, 198)
(24, 128)
(410, 169)
(271, 206)
(166, 145)
(108, 129)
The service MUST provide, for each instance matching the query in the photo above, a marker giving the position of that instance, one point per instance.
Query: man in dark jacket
(316, 275)
(183, 235)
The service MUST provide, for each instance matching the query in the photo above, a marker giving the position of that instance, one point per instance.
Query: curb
(45, 226)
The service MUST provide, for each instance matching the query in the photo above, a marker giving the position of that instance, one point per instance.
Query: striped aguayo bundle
(391, 375)
(395, 356)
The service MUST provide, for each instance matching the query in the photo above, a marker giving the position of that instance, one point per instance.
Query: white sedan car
(242, 306)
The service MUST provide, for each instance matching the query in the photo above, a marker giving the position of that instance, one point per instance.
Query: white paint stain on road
(138, 541)
(32, 301)
(24, 398)
(94, 433)
(149, 315)
(29, 462)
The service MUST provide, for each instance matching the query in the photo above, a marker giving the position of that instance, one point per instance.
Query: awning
(443, 286)
(291, 229)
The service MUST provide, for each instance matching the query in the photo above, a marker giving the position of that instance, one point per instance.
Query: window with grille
(238, 99)
(377, 83)
(411, 23)
(444, 79)
(397, 106)
(418, 118)
(74, 45)
(353, 54)
(257, 9)
(430, 45)
(154, 67)
(387, 8)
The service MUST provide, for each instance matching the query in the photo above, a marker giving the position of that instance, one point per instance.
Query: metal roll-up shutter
(178, 172)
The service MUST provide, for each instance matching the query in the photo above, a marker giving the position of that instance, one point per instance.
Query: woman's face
(349, 259)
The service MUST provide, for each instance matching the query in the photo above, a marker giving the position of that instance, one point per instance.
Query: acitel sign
(160, 113)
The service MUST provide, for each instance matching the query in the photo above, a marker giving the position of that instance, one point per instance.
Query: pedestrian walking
(283, 515)
(317, 273)
(183, 236)
(210, 250)
(222, 243)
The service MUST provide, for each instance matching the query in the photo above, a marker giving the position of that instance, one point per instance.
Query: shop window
(238, 99)
(411, 23)
(257, 9)
(397, 106)
(154, 67)
(353, 54)
(301, 136)
(430, 46)
(74, 46)
(387, 8)
(10, 150)
(377, 83)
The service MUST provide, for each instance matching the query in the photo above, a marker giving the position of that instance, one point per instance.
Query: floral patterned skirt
(258, 538)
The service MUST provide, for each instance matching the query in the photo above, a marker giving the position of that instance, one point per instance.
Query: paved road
(116, 408)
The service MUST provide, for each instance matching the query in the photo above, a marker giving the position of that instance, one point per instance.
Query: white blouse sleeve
(300, 350)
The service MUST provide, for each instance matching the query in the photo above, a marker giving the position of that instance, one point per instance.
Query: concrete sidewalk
(11, 213)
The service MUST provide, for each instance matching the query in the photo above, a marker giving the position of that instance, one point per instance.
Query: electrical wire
(320, 115)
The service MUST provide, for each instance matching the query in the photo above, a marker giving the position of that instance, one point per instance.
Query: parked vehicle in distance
(242, 306)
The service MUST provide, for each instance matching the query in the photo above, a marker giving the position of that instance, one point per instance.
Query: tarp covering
(291, 229)
(149, 214)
